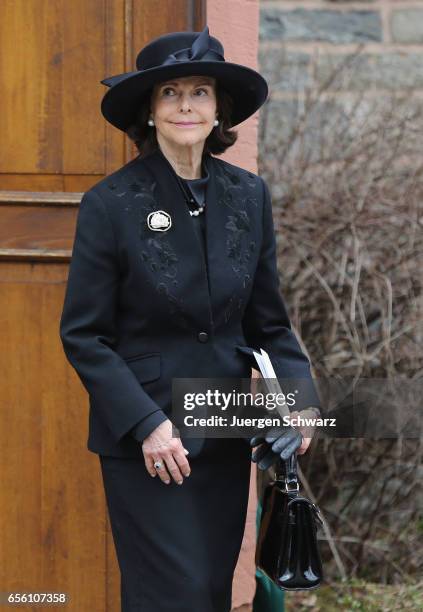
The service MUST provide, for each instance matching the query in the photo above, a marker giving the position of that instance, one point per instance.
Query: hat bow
(200, 49)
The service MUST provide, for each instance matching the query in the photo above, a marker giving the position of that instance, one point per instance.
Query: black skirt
(178, 545)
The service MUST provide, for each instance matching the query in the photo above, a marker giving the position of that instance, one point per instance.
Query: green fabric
(268, 598)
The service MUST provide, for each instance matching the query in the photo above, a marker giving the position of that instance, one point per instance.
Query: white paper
(270, 379)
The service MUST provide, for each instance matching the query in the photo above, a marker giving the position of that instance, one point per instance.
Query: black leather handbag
(287, 550)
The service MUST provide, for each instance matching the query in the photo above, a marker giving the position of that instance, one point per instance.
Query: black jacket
(142, 307)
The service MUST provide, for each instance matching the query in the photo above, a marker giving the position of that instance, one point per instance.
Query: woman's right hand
(159, 445)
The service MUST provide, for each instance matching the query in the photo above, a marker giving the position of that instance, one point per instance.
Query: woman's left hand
(304, 429)
(283, 443)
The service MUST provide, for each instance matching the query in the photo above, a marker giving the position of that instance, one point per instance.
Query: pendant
(195, 213)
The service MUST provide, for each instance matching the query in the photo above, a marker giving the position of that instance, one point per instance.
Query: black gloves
(274, 444)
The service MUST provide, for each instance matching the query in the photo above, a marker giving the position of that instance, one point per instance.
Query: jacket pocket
(146, 367)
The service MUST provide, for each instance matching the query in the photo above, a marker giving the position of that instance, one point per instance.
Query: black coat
(141, 306)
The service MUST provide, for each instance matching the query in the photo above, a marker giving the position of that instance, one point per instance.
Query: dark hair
(219, 139)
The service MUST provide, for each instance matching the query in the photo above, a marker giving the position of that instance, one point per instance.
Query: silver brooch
(159, 221)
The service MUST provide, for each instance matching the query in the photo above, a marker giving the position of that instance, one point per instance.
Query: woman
(173, 275)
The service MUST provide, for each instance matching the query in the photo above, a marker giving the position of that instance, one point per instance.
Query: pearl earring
(150, 122)
(216, 122)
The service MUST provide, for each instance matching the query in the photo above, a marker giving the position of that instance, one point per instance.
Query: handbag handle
(286, 471)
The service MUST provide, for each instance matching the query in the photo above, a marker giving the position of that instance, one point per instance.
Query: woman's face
(184, 109)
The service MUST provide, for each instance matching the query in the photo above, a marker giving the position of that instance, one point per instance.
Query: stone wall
(377, 46)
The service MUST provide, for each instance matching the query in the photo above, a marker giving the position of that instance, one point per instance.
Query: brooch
(159, 221)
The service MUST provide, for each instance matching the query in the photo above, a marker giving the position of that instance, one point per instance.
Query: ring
(158, 465)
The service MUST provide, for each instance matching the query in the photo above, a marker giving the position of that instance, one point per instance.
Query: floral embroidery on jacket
(240, 246)
(159, 255)
(156, 252)
(166, 259)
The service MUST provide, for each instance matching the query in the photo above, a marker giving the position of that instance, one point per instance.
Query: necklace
(189, 199)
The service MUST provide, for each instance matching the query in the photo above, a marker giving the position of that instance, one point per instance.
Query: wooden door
(54, 530)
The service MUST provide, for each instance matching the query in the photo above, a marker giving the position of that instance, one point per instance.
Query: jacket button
(203, 337)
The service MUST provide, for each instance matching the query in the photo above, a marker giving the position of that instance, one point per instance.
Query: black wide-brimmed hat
(180, 54)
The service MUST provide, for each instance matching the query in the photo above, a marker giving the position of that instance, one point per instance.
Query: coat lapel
(231, 245)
